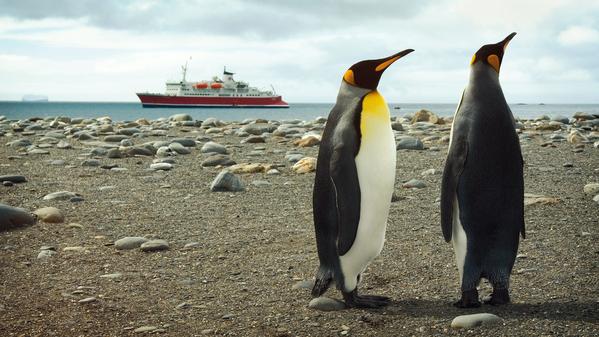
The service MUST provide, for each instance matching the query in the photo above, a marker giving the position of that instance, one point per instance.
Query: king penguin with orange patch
(355, 176)
(482, 193)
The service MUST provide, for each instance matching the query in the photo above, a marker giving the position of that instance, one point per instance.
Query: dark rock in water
(410, 143)
(259, 128)
(115, 138)
(226, 181)
(218, 159)
(13, 178)
(14, 217)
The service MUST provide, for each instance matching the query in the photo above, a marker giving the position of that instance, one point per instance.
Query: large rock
(154, 246)
(425, 116)
(474, 320)
(305, 165)
(115, 138)
(187, 142)
(14, 217)
(50, 215)
(180, 149)
(226, 181)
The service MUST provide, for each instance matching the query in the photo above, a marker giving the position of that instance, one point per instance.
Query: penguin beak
(507, 40)
(386, 62)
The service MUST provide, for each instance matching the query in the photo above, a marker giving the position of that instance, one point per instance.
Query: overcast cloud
(108, 50)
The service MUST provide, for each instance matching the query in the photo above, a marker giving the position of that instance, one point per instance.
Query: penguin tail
(324, 277)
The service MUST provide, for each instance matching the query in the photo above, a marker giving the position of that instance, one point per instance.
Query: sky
(108, 50)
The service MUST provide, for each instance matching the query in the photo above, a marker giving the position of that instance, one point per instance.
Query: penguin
(482, 192)
(355, 175)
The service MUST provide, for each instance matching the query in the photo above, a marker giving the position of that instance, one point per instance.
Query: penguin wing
(456, 158)
(344, 176)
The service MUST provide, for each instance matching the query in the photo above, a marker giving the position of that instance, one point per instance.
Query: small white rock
(474, 320)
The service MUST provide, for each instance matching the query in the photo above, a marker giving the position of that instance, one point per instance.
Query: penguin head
(492, 54)
(367, 74)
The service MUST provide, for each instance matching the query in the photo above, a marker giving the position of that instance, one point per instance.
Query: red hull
(158, 100)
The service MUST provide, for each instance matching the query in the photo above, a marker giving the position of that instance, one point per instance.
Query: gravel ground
(254, 246)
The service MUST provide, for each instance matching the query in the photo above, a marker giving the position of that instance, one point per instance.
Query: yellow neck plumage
(375, 114)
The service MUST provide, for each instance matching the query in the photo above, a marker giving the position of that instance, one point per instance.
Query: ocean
(119, 111)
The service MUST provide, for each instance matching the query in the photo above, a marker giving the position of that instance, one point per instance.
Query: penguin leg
(501, 295)
(470, 279)
(353, 300)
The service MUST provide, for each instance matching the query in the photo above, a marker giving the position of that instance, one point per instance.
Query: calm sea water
(303, 111)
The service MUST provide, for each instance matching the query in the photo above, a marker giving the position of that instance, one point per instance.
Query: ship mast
(184, 70)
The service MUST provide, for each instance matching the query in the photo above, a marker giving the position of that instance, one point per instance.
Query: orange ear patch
(349, 77)
(494, 61)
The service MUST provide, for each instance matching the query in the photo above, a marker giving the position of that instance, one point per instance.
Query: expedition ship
(222, 92)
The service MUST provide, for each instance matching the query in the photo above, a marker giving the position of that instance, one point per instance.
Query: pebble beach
(183, 227)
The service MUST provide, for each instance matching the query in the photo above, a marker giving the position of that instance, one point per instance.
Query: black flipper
(456, 158)
(344, 176)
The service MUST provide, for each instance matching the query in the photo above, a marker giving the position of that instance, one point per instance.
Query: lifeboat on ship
(201, 85)
(216, 85)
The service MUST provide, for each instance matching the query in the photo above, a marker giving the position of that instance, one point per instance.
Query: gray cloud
(268, 18)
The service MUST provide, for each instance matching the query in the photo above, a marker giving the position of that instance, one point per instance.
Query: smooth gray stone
(187, 142)
(14, 217)
(410, 143)
(414, 183)
(180, 118)
(139, 151)
(261, 183)
(294, 157)
(99, 151)
(13, 178)
(226, 181)
(128, 131)
(305, 284)
(214, 147)
(126, 142)
(397, 126)
(259, 128)
(37, 151)
(326, 304)
(212, 122)
(115, 153)
(64, 145)
(115, 138)
(85, 136)
(154, 246)
(57, 162)
(129, 242)
(253, 140)
(218, 159)
(55, 134)
(61, 195)
(161, 166)
(180, 149)
(474, 320)
(91, 163)
(43, 254)
(20, 143)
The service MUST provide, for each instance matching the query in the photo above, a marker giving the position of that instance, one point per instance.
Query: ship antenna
(273, 89)
(184, 68)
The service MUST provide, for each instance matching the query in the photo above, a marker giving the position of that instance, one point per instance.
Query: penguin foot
(353, 300)
(499, 297)
(469, 300)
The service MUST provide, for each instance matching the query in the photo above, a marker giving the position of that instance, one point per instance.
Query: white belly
(458, 238)
(376, 172)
